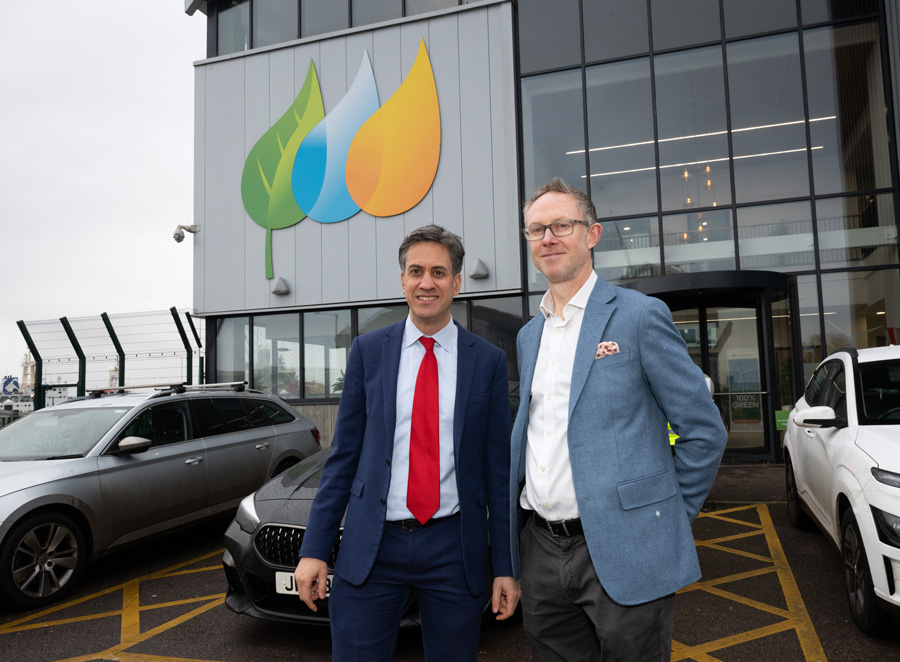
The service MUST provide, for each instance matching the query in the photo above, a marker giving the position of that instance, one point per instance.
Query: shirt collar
(445, 338)
(580, 299)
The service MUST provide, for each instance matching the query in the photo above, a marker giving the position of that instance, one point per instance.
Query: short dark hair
(557, 185)
(437, 235)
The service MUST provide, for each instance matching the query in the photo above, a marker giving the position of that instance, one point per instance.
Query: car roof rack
(168, 388)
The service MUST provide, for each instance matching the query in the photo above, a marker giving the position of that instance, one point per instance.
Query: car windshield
(880, 388)
(57, 433)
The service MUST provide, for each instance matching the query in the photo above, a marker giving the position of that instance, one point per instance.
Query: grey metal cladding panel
(284, 74)
(477, 172)
(505, 160)
(224, 158)
(446, 197)
(199, 244)
(361, 258)
(307, 234)
(389, 232)
(257, 120)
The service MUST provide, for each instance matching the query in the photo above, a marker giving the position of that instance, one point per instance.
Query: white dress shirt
(549, 489)
(411, 353)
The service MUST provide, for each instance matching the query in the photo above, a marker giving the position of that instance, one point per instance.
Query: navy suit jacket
(357, 476)
(636, 500)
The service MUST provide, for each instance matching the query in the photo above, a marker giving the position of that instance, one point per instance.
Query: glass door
(724, 342)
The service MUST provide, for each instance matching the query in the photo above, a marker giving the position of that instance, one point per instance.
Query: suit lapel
(390, 368)
(596, 315)
(529, 344)
(465, 369)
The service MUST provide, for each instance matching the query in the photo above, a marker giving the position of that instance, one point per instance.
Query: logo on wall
(380, 159)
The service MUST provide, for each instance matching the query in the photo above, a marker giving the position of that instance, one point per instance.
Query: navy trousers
(365, 619)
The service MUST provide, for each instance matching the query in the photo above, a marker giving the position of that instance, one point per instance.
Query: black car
(262, 547)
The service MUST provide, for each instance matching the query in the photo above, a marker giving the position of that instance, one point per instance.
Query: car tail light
(315, 434)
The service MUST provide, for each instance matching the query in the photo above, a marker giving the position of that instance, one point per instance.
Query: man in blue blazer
(386, 549)
(606, 505)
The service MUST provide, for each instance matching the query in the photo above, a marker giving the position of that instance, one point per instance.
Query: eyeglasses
(558, 228)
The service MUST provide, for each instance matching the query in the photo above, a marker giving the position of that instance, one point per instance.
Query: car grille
(279, 545)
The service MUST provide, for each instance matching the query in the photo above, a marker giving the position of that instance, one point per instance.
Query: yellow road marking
(796, 618)
(130, 614)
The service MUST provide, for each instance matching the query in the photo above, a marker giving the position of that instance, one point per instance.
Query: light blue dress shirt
(411, 353)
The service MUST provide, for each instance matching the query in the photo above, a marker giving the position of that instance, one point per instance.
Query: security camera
(178, 235)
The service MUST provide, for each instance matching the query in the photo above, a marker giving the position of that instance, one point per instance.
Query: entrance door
(725, 342)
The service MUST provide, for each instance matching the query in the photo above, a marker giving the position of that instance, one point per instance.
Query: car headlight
(246, 516)
(888, 527)
(886, 477)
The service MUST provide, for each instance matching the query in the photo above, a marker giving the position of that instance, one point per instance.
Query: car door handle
(194, 460)
(262, 446)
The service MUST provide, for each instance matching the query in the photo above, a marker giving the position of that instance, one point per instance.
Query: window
(370, 319)
(857, 231)
(271, 413)
(848, 124)
(776, 237)
(274, 22)
(743, 18)
(276, 354)
(549, 34)
(321, 16)
(162, 424)
(628, 250)
(375, 11)
(684, 22)
(620, 138)
(767, 120)
(216, 416)
(232, 349)
(701, 241)
(233, 26)
(859, 307)
(613, 28)
(326, 344)
(834, 393)
(694, 168)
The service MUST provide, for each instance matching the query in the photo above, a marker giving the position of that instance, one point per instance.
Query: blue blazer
(637, 502)
(357, 475)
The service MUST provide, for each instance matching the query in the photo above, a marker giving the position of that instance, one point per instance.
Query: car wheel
(864, 608)
(41, 560)
(799, 518)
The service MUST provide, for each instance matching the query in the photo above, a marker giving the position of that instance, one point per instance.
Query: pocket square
(606, 348)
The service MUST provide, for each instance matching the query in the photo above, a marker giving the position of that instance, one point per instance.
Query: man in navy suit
(607, 505)
(386, 550)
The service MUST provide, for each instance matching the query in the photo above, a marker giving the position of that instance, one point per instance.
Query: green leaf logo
(266, 180)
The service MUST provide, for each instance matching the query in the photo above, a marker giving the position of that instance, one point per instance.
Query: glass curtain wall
(725, 135)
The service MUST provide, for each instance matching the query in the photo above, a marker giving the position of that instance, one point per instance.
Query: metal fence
(99, 352)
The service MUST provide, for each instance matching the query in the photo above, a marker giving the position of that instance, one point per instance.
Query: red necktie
(423, 493)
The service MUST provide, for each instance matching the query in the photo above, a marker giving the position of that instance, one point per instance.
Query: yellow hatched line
(796, 617)
(130, 626)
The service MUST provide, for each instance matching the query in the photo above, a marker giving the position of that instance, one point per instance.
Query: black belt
(413, 524)
(564, 528)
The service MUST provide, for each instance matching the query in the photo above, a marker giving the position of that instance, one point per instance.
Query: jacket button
(387, 462)
(382, 502)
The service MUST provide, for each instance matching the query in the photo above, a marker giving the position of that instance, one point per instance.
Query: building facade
(742, 158)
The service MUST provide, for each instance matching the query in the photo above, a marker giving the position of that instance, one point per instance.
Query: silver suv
(87, 475)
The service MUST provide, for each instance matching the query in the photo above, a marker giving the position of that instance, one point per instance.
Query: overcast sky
(96, 140)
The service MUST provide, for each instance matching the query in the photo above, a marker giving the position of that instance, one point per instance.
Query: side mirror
(132, 445)
(819, 417)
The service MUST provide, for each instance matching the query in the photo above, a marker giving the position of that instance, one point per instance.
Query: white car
(842, 466)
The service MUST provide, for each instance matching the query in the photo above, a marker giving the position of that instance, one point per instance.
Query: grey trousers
(568, 617)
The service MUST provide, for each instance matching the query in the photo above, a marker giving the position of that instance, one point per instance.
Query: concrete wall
(239, 97)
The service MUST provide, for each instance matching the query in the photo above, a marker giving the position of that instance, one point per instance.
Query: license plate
(284, 584)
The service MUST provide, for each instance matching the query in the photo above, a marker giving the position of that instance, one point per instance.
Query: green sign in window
(781, 419)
